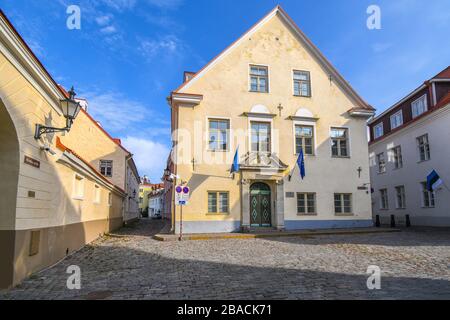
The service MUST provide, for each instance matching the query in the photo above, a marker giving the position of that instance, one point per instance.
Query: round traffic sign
(179, 189)
(186, 190)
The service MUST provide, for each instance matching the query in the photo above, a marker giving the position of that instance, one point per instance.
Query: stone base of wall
(326, 224)
(54, 244)
(193, 227)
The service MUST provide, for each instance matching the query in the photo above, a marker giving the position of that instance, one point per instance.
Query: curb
(245, 236)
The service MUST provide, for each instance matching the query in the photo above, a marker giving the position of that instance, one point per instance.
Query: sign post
(181, 199)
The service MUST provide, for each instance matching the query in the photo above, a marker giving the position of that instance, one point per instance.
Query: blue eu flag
(235, 166)
(301, 164)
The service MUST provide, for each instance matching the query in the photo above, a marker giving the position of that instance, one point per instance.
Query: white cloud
(115, 111)
(103, 20)
(168, 45)
(108, 30)
(381, 47)
(120, 5)
(166, 4)
(150, 156)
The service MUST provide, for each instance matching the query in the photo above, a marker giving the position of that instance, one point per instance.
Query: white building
(408, 142)
(156, 201)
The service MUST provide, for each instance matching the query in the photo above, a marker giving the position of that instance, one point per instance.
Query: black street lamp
(70, 109)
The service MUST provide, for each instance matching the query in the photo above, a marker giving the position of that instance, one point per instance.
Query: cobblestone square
(415, 264)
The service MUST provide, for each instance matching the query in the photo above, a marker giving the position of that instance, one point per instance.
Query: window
(339, 142)
(259, 79)
(110, 199)
(378, 130)
(141, 200)
(428, 199)
(302, 84)
(218, 202)
(260, 136)
(342, 203)
(424, 147)
(78, 187)
(218, 134)
(384, 201)
(401, 197)
(396, 120)
(419, 106)
(106, 168)
(398, 158)
(381, 163)
(97, 194)
(304, 139)
(306, 203)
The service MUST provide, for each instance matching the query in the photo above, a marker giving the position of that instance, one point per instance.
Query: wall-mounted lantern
(70, 109)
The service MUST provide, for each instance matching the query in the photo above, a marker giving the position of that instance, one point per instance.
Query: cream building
(53, 197)
(408, 141)
(270, 93)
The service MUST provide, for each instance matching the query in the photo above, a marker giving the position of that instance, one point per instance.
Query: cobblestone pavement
(415, 264)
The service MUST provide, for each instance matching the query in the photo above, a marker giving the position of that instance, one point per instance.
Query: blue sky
(129, 54)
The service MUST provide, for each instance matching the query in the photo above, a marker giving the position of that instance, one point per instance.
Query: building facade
(156, 200)
(145, 187)
(53, 197)
(408, 141)
(268, 96)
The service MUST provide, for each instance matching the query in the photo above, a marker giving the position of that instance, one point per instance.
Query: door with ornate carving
(260, 205)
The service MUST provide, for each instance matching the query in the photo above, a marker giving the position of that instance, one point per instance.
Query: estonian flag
(235, 166)
(433, 181)
(301, 164)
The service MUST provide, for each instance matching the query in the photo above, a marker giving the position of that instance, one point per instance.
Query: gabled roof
(303, 38)
(443, 75)
(63, 148)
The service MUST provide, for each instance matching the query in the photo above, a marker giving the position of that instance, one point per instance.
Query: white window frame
(380, 125)
(260, 119)
(403, 194)
(349, 143)
(397, 164)
(305, 198)
(217, 193)
(397, 115)
(427, 146)
(309, 82)
(249, 77)
(377, 156)
(431, 196)
(308, 124)
(82, 180)
(342, 203)
(97, 194)
(112, 168)
(414, 103)
(229, 136)
(384, 201)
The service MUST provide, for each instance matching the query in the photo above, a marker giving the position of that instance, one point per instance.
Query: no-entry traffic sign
(182, 195)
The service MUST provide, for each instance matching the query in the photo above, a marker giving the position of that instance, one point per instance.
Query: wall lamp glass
(70, 109)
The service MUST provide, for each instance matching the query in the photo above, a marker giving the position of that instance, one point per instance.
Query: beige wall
(65, 223)
(80, 138)
(225, 88)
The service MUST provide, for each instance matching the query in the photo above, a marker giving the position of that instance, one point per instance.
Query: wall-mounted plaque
(290, 195)
(32, 162)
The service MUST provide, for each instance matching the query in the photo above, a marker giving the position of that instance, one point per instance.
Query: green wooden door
(260, 208)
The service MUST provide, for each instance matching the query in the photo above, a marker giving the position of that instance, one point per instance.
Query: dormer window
(378, 130)
(419, 106)
(259, 79)
(396, 120)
